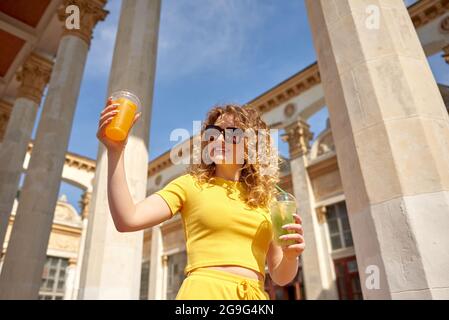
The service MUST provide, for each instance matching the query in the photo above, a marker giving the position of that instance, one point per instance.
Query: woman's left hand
(294, 250)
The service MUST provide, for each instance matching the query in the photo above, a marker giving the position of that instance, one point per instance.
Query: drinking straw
(280, 189)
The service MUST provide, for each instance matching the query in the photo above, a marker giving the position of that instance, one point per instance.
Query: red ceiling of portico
(10, 47)
(27, 11)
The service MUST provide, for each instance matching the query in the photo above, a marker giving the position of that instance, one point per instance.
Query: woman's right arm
(127, 215)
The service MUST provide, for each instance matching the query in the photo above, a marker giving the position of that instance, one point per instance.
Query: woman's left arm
(283, 260)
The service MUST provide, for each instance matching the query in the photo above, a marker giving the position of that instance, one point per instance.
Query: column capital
(84, 204)
(298, 136)
(90, 13)
(33, 77)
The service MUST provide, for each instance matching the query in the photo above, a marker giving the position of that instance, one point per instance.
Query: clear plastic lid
(128, 95)
(285, 197)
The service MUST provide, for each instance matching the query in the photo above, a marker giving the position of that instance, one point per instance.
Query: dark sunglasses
(212, 132)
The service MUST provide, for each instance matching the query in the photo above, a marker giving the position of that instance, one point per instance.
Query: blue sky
(209, 51)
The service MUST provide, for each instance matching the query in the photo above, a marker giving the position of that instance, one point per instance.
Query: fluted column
(391, 133)
(112, 260)
(317, 266)
(33, 77)
(26, 254)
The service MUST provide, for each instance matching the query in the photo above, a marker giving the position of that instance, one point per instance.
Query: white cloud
(194, 36)
(100, 56)
(102, 45)
(202, 35)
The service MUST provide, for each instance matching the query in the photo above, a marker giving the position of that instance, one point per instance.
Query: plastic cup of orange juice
(118, 128)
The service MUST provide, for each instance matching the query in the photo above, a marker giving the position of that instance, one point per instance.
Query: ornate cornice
(159, 164)
(90, 13)
(286, 90)
(322, 167)
(33, 77)
(425, 11)
(57, 227)
(79, 162)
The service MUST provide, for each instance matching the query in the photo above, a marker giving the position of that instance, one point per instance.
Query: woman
(223, 200)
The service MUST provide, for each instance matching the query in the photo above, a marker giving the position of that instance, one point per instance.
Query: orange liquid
(118, 128)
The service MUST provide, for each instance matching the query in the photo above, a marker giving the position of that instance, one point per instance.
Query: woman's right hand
(106, 116)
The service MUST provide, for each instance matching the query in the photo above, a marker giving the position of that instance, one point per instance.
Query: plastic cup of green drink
(282, 207)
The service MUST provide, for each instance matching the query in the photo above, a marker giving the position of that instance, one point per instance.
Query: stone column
(70, 279)
(112, 260)
(156, 270)
(391, 132)
(33, 76)
(319, 277)
(85, 203)
(26, 254)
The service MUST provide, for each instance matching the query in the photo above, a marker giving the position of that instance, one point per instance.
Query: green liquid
(281, 214)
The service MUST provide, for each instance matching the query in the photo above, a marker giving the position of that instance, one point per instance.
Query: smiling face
(223, 152)
(258, 157)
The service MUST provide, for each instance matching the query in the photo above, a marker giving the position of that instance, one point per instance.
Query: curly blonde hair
(261, 187)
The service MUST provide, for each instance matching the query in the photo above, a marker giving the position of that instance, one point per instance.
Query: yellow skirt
(211, 284)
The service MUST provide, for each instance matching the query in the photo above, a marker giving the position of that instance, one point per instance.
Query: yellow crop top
(220, 229)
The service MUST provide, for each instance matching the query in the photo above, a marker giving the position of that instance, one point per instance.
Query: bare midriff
(239, 271)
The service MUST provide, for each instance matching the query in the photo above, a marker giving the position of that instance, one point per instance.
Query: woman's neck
(228, 171)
